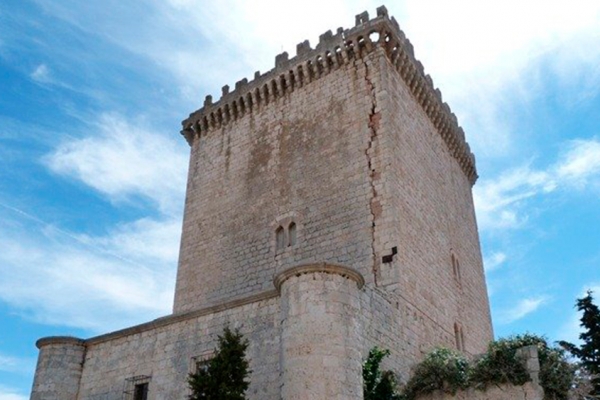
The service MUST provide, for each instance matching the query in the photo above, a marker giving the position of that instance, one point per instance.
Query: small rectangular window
(137, 387)
(141, 391)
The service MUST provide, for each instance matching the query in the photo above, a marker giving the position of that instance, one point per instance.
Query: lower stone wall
(307, 337)
(166, 354)
(529, 391)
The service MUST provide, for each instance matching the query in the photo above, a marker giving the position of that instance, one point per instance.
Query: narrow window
(459, 337)
(280, 238)
(141, 391)
(292, 233)
(456, 268)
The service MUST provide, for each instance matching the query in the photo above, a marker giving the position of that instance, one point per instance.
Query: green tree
(377, 384)
(223, 377)
(589, 351)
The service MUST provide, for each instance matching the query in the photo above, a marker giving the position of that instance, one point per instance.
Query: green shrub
(500, 365)
(442, 369)
(449, 371)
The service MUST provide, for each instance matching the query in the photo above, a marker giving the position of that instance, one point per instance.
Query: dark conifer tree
(589, 351)
(223, 377)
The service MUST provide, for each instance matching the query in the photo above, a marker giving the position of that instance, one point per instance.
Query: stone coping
(61, 340)
(319, 268)
(332, 52)
(175, 318)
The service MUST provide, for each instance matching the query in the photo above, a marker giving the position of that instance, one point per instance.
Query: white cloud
(121, 159)
(581, 163)
(494, 261)
(41, 74)
(484, 66)
(492, 58)
(499, 201)
(502, 202)
(101, 282)
(7, 393)
(521, 309)
(15, 364)
(98, 283)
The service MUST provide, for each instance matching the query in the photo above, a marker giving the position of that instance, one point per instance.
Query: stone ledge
(318, 268)
(63, 340)
(175, 318)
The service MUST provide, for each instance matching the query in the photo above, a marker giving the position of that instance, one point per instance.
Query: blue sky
(93, 168)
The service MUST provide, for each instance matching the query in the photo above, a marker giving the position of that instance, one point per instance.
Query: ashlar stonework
(328, 210)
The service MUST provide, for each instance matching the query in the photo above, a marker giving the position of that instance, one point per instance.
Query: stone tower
(328, 210)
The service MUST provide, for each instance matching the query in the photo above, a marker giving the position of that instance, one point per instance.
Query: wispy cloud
(97, 283)
(15, 364)
(489, 71)
(110, 280)
(122, 159)
(7, 393)
(502, 202)
(580, 164)
(522, 309)
(494, 261)
(41, 74)
(485, 76)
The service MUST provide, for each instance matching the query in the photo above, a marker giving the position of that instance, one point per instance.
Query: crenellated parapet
(332, 52)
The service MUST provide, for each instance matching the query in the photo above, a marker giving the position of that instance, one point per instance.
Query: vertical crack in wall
(374, 204)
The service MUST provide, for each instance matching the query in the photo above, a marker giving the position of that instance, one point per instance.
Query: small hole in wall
(374, 36)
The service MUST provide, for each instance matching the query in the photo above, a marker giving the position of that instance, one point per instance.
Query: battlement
(332, 52)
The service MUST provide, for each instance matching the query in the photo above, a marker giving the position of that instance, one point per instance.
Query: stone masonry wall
(59, 369)
(321, 336)
(301, 158)
(421, 204)
(428, 214)
(166, 353)
(367, 164)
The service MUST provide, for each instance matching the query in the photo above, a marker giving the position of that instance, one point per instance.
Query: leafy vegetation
(449, 371)
(377, 384)
(223, 377)
(442, 369)
(500, 364)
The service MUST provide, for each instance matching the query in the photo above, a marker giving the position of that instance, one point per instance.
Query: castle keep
(328, 210)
